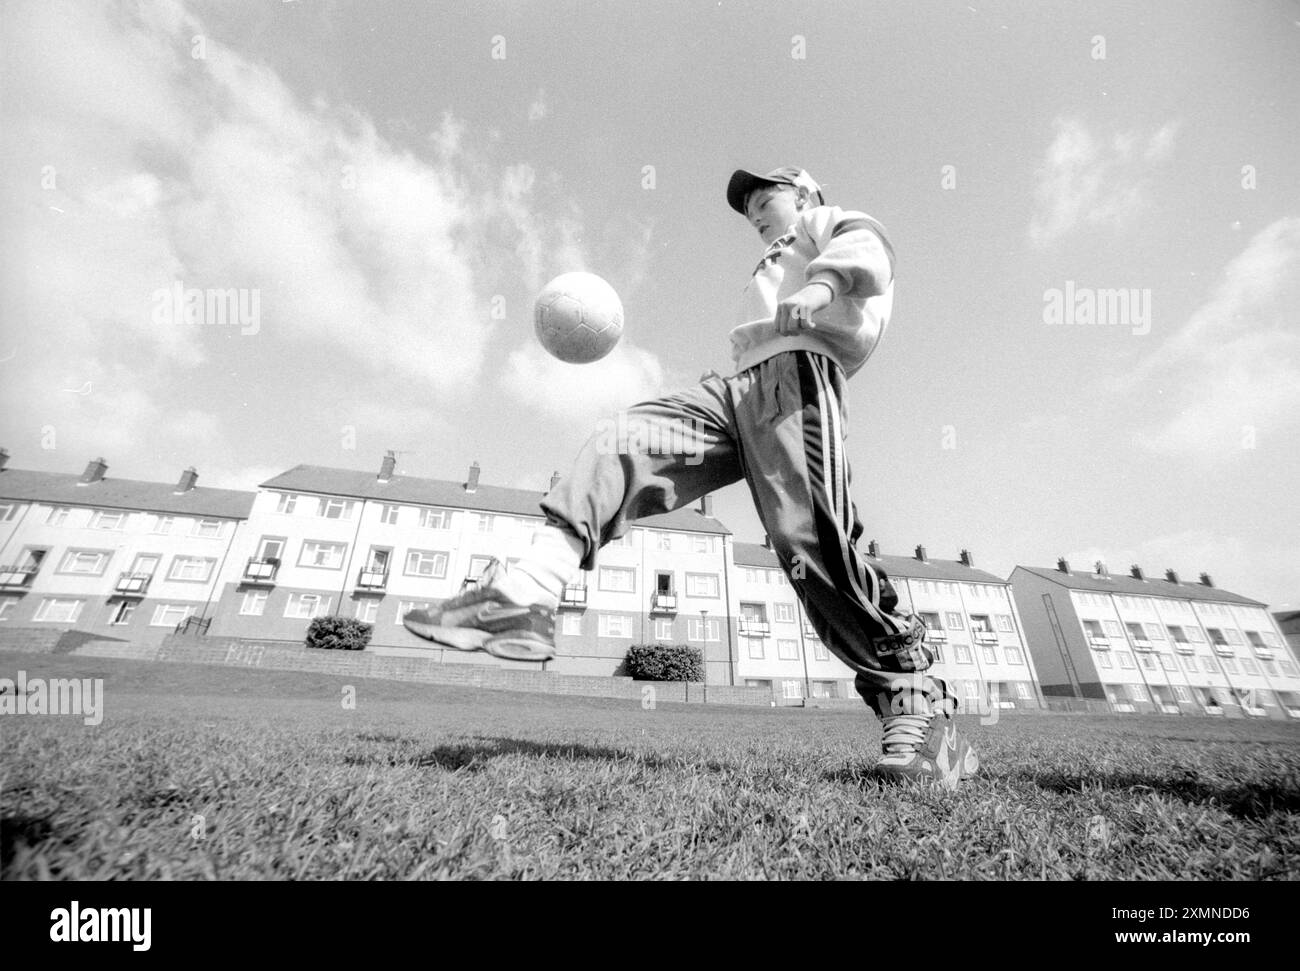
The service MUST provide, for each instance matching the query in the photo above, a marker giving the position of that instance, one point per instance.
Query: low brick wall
(288, 656)
(31, 640)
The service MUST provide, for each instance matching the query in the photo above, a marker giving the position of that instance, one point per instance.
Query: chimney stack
(555, 480)
(1101, 569)
(472, 484)
(1063, 565)
(387, 466)
(95, 470)
(706, 506)
(186, 483)
(1137, 572)
(767, 541)
(873, 549)
(920, 553)
(1205, 579)
(967, 559)
(1171, 576)
(4, 458)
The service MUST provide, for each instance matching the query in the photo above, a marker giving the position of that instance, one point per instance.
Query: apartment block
(1142, 644)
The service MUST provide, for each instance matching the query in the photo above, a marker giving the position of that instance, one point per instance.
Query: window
(819, 651)
(367, 610)
(955, 621)
(162, 525)
(7, 605)
(697, 629)
(702, 544)
(404, 607)
(615, 625)
(963, 654)
(617, 579)
(755, 647)
(701, 585)
(483, 522)
(1022, 691)
(1194, 634)
(194, 568)
(1125, 659)
(328, 556)
(1216, 636)
(388, 514)
(787, 650)
(1013, 655)
(377, 561)
(665, 542)
(435, 518)
(122, 611)
(753, 619)
(1230, 665)
(1288, 668)
(783, 613)
(990, 654)
(334, 508)
(1269, 668)
(1112, 628)
(169, 615)
(208, 528)
(254, 604)
(571, 623)
(1189, 662)
(1155, 632)
(85, 562)
(7, 511)
(1249, 666)
(1004, 623)
(1234, 635)
(1167, 662)
(428, 563)
(932, 621)
(477, 565)
(1136, 632)
(1182, 694)
(623, 542)
(57, 515)
(1138, 692)
(1177, 634)
(1147, 661)
(1211, 665)
(663, 628)
(107, 520)
(1103, 658)
(287, 503)
(307, 605)
(271, 548)
(972, 690)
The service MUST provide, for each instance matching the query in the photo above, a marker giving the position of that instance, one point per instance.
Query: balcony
(810, 631)
(1142, 645)
(261, 571)
(1224, 650)
(937, 635)
(1264, 653)
(754, 628)
(1099, 643)
(133, 584)
(372, 579)
(1182, 647)
(17, 577)
(664, 603)
(574, 597)
(985, 636)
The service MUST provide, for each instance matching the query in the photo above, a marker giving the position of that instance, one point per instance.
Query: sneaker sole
(519, 646)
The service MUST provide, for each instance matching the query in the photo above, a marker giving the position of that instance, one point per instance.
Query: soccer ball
(578, 317)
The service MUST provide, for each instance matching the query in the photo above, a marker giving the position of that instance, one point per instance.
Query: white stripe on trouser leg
(830, 442)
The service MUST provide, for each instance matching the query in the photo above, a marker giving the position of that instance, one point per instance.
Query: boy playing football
(815, 309)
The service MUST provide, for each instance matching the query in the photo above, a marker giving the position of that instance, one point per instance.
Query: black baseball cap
(743, 183)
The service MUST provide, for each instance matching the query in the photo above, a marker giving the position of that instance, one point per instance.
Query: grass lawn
(418, 781)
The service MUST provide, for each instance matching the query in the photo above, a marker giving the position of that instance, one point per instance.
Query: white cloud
(576, 395)
(1086, 182)
(1234, 367)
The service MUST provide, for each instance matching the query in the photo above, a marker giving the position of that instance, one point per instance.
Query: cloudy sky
(393, 181)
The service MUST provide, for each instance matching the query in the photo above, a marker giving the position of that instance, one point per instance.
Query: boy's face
(772, 209)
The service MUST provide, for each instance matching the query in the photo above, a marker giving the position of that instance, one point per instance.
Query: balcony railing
(664, 603)
(194, 625)
(1264, 653)
(1184, 647)
(133, 584)
(755, 628)
(1224, 650)
(372, 579)
(1099, 642)
(1142, 645)
(261, 571)
(985, 636)
(17, 576)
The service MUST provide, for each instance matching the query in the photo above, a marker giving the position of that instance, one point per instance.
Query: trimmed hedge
(665, 662)
(339, 633)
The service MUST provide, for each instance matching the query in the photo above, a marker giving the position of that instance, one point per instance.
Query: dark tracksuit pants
(779, 425)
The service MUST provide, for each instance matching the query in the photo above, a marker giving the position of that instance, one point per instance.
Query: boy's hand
(794, 313)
